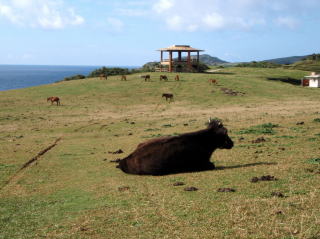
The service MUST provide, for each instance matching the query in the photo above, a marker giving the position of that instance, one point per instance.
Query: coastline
(23, 76)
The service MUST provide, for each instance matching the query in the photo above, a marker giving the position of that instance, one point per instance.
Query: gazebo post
(198, 59)
(161, 61)
(170, 61)
(189, 60)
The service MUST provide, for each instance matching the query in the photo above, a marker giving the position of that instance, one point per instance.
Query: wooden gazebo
(180, 63)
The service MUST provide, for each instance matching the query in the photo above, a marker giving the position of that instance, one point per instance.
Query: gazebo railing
(177, 61)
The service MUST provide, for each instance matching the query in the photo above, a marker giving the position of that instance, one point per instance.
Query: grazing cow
(163, 77)
(54, 99)
(175, 154)
(213, 81)
(168, 96)
(146, 77)
(103, 77)
(123, 77)
(177, 78)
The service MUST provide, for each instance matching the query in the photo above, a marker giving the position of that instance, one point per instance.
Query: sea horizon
(17, 76)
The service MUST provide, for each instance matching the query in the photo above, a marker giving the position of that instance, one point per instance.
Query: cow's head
(221, 134)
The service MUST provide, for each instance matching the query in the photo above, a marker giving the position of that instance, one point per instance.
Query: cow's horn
(210, 120)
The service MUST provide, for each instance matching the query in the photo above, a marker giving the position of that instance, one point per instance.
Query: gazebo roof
(180, 48)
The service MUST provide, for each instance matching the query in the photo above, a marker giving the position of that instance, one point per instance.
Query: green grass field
(73, 190)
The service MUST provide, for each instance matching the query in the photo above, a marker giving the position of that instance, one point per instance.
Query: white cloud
(7, 12)
(115, 24)
(212, 15)
(47, 14)
(214, 21)
(287, 22)
(163, 5)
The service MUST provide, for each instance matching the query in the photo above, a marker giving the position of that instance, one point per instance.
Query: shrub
(150, 66)
(75, 77)
(259, 64)
(109, 71)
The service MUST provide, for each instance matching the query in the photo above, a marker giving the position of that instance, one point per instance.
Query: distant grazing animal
(54, 99)
(103, 77)
(175, 154)
(123, 77)
(213, 81)
(177, 78)
(163, 77)
(146, 77)
(168, 96)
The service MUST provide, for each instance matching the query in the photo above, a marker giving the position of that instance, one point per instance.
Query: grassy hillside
(71, 188)
(306, 65)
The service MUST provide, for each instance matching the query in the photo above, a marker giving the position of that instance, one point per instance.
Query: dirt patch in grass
(119, 151)
(226, 190)
(259, 140)
(232, 92)
(190, 189)
(263, 178)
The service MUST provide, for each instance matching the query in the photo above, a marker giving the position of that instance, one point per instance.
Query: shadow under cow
(244, 165)
(210, 168)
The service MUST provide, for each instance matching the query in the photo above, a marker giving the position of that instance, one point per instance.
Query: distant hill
(309, 63)
(306, 63)
(287, 60)
(207, 59)
(211, 60)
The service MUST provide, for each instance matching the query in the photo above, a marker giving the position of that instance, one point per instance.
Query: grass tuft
(260, 129)
(314, 161)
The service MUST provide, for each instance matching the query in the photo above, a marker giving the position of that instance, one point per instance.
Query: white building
(312, 80)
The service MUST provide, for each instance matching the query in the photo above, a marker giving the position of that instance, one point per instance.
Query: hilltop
(310, 63)
(305, 63)
(211, 60)
(286, 60)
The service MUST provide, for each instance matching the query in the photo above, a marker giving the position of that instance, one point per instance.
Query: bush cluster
(258, 64)
(75, 77)
(113, 71)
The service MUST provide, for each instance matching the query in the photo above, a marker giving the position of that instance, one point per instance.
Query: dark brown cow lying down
(184, 153)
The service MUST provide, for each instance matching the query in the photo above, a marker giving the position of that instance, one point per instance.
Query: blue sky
(128, 32)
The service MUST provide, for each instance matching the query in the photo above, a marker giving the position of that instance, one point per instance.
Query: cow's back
(162, 156)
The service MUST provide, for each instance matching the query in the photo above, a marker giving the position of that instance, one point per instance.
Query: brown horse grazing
(213, 81)
(54, 99)
(146, 77)
(168, 96)
(123, 77)
(103, 77)
(163, 77)
(177, 78)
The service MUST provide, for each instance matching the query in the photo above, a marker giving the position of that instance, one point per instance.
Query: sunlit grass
(72, 191)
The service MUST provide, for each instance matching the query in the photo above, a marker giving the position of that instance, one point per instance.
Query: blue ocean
(22, 76)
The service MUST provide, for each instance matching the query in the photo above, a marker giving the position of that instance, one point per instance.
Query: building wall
(314, 83)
